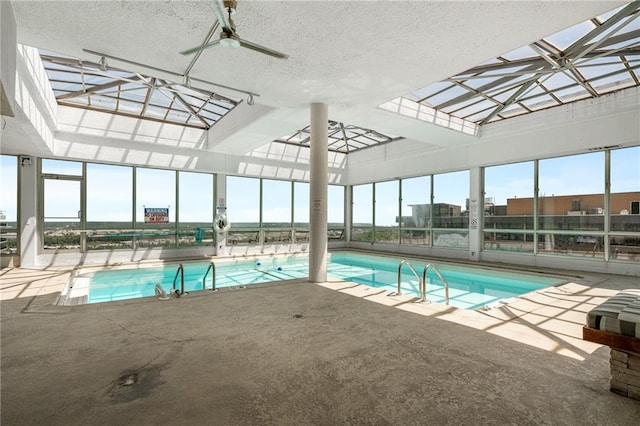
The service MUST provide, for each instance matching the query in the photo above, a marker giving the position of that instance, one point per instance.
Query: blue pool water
(469, 287)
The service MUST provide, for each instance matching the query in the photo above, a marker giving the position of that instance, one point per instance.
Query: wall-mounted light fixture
(250, 100)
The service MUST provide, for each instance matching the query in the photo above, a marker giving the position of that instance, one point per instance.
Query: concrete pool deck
(300, 353)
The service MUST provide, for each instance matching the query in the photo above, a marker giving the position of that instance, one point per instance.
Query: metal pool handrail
(181, 272)
(399, 293)
(423, 288)
(212, 268)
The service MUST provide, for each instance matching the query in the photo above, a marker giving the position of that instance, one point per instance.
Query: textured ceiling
(353, 55)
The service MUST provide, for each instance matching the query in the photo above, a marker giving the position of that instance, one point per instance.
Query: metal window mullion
(177, 204)
(83, 208)
(430, 226)
(536, 190)
(400, 222)
(260, 211)
(373, 215)
(607, 204)
(134, 179)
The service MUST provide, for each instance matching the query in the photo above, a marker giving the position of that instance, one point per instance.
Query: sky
(109, 190)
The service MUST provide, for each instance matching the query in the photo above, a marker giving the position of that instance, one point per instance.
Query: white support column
(476, 212)
(28, 221)
(318, 181)
(221, 208)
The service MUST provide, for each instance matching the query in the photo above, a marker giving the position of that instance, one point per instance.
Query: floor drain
(128, 379)
(297, 316)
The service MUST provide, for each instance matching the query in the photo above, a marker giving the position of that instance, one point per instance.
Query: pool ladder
(180, 272)
(212, 269)
(423, 281)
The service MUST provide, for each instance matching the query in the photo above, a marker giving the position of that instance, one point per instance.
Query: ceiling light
(187, 81)
(250, 100)
(103, 64)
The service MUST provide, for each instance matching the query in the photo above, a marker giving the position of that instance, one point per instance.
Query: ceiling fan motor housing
(230, 6)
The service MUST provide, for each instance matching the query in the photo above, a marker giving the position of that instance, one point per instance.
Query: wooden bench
(616, 323)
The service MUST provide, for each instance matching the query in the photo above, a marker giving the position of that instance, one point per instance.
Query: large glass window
(62, 205)
(571, 205)
(335, 212)
(362, 213)
(387, 213)
(416, 210)
(8, 205)
(301, 211)
(276, 210)
(243, 210)
(109, 206)
(508, 207)
(450, 212)
(155, 189)
(195, 209)
(625, 204)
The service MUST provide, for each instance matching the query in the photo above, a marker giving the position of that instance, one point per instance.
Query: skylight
(342, 137)
(85, 84)
(587, 60)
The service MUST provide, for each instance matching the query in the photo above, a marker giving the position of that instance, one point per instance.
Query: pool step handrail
(406, 262)
(423, 288)
(162, 295)
(180, 271)
(212, 269)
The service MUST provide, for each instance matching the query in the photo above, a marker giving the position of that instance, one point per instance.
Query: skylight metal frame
(342, 138)
(163, 100)
(543, 75)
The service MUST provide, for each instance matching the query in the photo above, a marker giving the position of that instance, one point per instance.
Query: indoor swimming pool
(470, 287)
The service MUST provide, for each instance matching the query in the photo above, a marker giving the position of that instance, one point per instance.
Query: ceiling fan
(228, 36)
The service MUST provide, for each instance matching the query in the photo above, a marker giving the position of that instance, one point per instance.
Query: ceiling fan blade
(221, 14)
(262, 49)
(199, 48)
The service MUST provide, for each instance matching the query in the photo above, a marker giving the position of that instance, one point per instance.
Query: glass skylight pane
(539, 102)
(604, 66)
(428, 91)
(472, 109)
(558, 80)
(571, 94)
(478, 117)
(521, 53)
(129, 107)
(155, 112)
(447, 95)
(614, 82)
(180, 117)
(103, 102)
(566, 38)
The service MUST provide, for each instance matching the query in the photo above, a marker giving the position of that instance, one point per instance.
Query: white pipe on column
(318, 180)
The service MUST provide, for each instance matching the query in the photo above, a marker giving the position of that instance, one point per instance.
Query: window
(243, 210)
(276, 211)
(195, 209)
(362, 213)
(449, 209)
(8, 205)
(155, 189)
(508, 207)
(387, 213)
(624, 216)
(335, 212)
(109, 207)
(415, 219)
